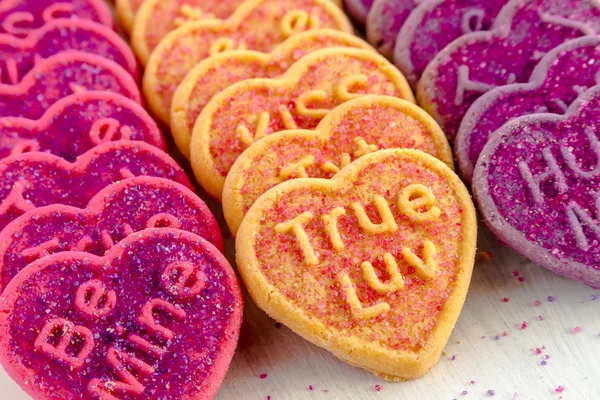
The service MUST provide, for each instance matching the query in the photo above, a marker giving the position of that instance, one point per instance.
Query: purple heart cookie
(476, 63)
(39, 179)
(537, 182)
(358, 9)
(20, 17)
(157, 317)
(19, 56)
(115, 212)
(435, 24)
(384, 22)
(60, 76)
(562, 75)
(78, 122)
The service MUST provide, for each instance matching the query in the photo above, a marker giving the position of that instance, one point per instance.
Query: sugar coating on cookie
(223, 70)
(385, 20)
(76, 123)
(256, 25)
(436, 23)
(37, 179)
(478, 62)
(537, 183)
(119, 210)
(60, 76)
(19, 56)
(349, 131)
(300, 99)
(20, 18)
(359, 9)
(157, 317)
(561, 76)
(372, 265)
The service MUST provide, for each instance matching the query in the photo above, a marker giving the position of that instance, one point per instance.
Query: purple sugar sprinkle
(551, 298)
(491, 392)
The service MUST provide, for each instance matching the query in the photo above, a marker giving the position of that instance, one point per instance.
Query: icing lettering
(183, 279)
(261, 129)
(342, 89)
(222, 45)
(396, 281)
(16, 200)
(594, 145)
(126, 173)
(312, 96)
(287, 118)
(107, 240)
(163, 220)
(296, 227)
(416, 197)
(566, 22)
(94, 299)
(129, 384)
(12, 71)
(472, 21)
(41, 250)
(329, 166)
(17, 18)
(388, 224)
(146, 317)
(330, 223)
(146, 346)
(76, 88)
(297, 21)
(25, 146)
(190, 14)
(465, 84)
(68, 334)
(363, 147)
(427, 269)
(57, 10)
(297, 169)
(534, 182)
(356, 308)
(578, 216)
(105, 130)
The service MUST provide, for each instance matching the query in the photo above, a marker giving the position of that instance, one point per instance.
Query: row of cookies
(360, 247)
(110, 265)
(530, 62)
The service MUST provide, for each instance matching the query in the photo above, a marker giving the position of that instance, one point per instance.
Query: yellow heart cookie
(256, 25)
(222, 70)
(252, 109)
(372, 265)
(349, 131)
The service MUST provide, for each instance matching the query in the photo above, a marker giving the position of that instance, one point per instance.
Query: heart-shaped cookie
(537, 183)
(60, 76)
(256, 25)
(158, 317)
(349, 131)
(300, 99)
(384, 21)
(562, 75)
(76, 123)
(373, 265)
(19, 56)
(119, 210)
(37, 179)
(476, 63)
(220, 71)
(19, 18)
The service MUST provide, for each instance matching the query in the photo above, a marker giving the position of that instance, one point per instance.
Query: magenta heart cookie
(537, 183)
(38, 179)
(115, 212)
(76, 123)
(436, 23)
(385, 20)
(157, 317)
(358, 9)
(562, 75)
(20, 17)
(19, 56)
(60, 76)
(476, 63)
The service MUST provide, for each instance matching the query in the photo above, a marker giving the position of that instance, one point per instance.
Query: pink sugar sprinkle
(515, 273)
(524, 325)
(577, 329)
(263, 376)
(537, 303)
(538, 351)
(515, 396)
(559, 389)
(377, 388)
(504, 333)
(268, 397)
(547, 356)
(310, 387)
(505, 299)
(472, 382)
(521, 279)
(540, 318)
